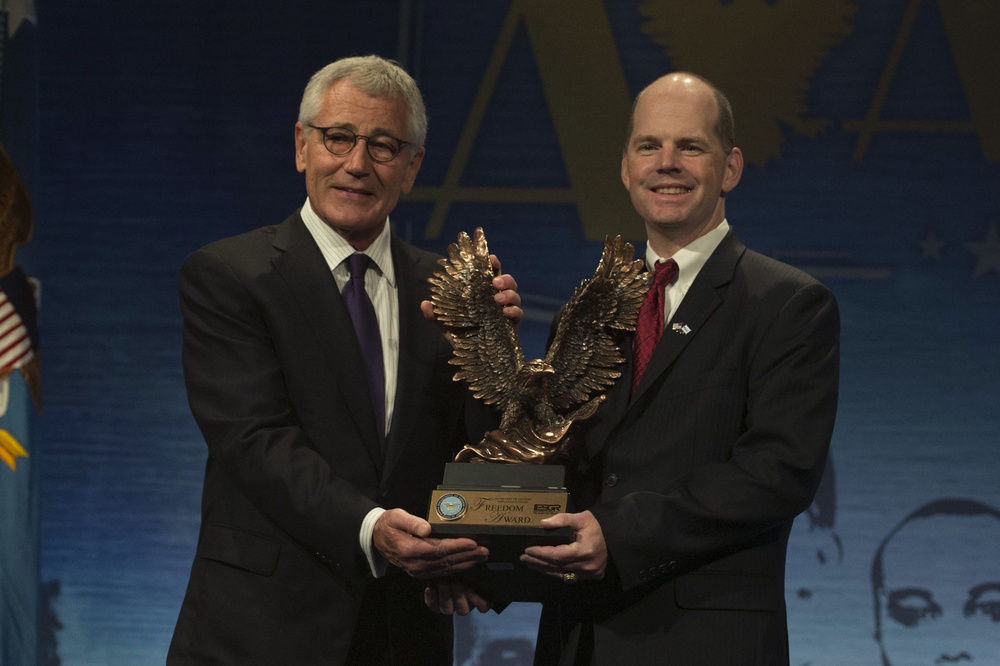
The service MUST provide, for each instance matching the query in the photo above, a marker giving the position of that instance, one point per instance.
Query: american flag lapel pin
(677, 327)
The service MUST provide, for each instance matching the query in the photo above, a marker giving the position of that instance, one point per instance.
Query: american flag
(15, 344)
(18, 322)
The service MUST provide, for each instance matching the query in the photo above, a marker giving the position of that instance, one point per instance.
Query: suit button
(611, 480)
(672, 565)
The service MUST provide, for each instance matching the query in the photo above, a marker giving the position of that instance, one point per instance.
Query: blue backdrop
(871, 134)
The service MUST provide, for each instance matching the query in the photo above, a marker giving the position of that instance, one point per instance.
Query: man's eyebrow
(354, 128)
(336, 125)
(382, 130)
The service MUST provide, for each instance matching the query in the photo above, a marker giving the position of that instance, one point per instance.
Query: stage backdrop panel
(873, 162)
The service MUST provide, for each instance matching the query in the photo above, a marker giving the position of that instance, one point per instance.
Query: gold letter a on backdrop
(969, 26)
(589, 103)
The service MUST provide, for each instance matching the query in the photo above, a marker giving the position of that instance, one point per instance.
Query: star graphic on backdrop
(987, 252)
(931, 246)
(18, 11)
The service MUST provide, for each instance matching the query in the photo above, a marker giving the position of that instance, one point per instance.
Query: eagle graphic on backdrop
(18, 308)
(762, 53)
(539, 400)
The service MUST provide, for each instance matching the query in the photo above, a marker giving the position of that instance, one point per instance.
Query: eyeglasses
(340, 141)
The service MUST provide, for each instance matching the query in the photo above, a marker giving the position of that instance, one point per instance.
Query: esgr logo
(548, 508)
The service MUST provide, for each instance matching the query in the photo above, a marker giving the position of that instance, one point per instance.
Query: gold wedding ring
(569, 578)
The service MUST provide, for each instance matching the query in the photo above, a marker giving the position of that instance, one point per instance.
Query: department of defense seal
(451, 506)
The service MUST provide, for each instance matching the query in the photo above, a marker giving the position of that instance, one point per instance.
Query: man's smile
(671, 189)
(351, 190)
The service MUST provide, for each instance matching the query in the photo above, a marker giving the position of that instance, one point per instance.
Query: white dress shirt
(380, 285)
(690, 260)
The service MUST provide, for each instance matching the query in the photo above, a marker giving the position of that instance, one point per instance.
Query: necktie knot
(665, 272)
(357, 265)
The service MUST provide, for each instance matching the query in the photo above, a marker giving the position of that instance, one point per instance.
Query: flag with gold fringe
(20, 369)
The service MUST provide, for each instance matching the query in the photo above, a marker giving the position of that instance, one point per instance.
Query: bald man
(691, 474)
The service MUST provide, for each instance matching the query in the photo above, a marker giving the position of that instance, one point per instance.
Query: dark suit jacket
(276, 384)
(696, 479)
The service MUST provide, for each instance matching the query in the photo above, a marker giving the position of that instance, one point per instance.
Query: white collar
(690, 258)
(336, 249)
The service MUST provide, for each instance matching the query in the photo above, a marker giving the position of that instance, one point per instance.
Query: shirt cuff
(376, 562)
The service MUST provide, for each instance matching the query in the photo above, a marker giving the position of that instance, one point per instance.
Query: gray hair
(374, 76)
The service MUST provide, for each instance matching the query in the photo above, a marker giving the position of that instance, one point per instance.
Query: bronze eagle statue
(540, 399)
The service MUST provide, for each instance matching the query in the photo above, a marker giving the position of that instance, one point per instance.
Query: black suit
(277, 386)
(696, 479)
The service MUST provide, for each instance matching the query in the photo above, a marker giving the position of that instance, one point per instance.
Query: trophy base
(501, 506)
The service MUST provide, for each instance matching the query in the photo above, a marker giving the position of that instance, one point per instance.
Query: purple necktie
(649, 326)
(366, 328)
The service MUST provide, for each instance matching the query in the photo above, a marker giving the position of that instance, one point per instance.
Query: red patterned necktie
(649, 327)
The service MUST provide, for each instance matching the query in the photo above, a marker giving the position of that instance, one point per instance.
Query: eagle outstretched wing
(583, 353)
(485, 342)
(540, 399)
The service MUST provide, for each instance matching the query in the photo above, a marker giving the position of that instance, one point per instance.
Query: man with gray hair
(327, 405)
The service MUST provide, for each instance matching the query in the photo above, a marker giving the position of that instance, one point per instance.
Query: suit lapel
(418, 348)
(705, 296)
(301, 264)
(701, 300)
